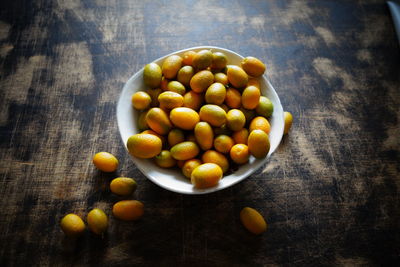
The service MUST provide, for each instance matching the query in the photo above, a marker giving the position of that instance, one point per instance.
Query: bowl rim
(258, 163)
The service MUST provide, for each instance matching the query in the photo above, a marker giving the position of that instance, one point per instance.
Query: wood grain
(330, 194)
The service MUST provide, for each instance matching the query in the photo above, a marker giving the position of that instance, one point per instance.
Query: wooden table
(330, 193)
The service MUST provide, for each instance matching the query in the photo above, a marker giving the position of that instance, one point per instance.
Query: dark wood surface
(330, 193)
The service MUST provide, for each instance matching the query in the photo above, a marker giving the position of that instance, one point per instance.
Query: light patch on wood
(17, 85)
(308, 153)
(364, 55)
(308, 40)
(206, 9)
(341, 99)
(296, 11)
(125, 23)
(257, 22)
(340, 102)
(70, 4)
(335, 147)
(72, 131)
(4, 30)
(5, 49)
(76, 8)
(329, 71)
(350, 262)
(109, 28)
(325, 68)
(173, 25)
(263, 43)
(74, 68)
(326, 35)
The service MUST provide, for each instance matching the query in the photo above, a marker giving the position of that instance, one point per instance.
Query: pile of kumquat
(202, 115)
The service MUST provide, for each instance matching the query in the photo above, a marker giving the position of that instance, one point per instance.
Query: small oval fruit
(213, 114)
(253, 66)
(189, 166)
(258, 143)
(105, 162)
(165, 159)
(201, 81)
(185, 150)
(144, 145)
(141, 100)
(193, 100)
(123, 186)
(206, 175)
(170, 99)
(175, 136)
(288, 121)
(184, 118)
(233, 98)
(265, 107)
(251, 97)
(72, 225)
(171, 66)
(221, 78)
(204, 135)
(237, 76)
(163, 141)
(185, 74)
(235, 119)
(212, 156)
(260, 123)
(219, 61)
(202, 59)
(128, 210)
(216, 94)
(152, 75)
(254, 82)
(241, 136)
(158, 121)
(253, 221)
(97, 221)
(188, 57)
(223, 143)
(240, 153)
(176, 87)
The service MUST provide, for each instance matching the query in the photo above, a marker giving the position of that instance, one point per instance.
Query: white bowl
(173, 179)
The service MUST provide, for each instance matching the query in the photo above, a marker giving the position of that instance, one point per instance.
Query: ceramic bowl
(173, 179)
